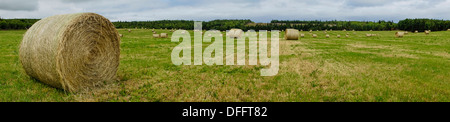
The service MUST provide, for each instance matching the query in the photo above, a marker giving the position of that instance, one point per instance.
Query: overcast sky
(256, 10)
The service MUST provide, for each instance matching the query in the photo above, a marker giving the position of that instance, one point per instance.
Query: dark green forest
(407, 24)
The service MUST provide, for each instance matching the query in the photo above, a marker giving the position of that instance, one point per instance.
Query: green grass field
(381, 68)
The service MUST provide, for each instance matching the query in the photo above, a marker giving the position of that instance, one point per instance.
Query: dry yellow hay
(302, 35)
(416, 31)
(156, 35)
(72, 51)
(368, 35)
(327, 36)
(339, 36)
(121, 35)
(235, 33)
(163, 35)
(291, 34)
(314, 35)
(448, 29)
(406, 32)
(399, 34)
(129, 31)
(347, 35)
(427, 32)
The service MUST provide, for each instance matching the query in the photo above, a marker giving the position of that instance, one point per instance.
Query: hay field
(359, 68)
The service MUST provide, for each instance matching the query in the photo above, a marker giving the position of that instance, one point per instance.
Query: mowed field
(359, 68)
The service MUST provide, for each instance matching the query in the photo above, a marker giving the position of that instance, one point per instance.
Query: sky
(255, 10)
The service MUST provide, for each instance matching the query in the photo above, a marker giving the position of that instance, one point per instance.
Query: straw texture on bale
(291, 34)
(72, 51)
(163, 35)
(399, 34)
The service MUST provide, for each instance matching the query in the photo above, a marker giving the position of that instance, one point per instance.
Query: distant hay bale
(154, 32)
(327, 36)
(235, 33)
(344, 30)
(156, 35)
(416, 31)
(374, 35)
(73, 52)
(163, 35)
(448, 29)
(368, 35)
(291, 34)
(406, 32)
(347, 35)
(314, 35)
(129, 31)
(302, 35)
(339, 36)
(121, 35)
(399, 34)
(427, 32)
(370, 30)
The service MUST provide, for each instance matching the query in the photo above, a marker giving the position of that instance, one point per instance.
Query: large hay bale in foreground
(72, 51)
(291, 34)
(399, 34)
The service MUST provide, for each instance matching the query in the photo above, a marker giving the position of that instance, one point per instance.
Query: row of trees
(6, 24)
(273, 25)
(423, 24)
(407, 24)
(183, 24)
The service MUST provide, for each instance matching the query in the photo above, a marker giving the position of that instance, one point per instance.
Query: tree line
(8, 24)
(423, 24)
(246, 24)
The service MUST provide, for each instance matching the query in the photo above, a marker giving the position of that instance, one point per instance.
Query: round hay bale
(347, 35)
(156, 35)
(314, 35)
(129, 31)
(163, 35)
(416, 31)
(399, 34)
(427, 32)
(406, 32)
(235, 33)
(448, 29)
(302, 35)
(121, 35)
(327, 36)
(291, 34)
(368, 35)
(344, 30)
(339, 36)
(72, 51)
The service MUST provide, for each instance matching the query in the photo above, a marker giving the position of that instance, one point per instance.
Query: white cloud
(256, 10)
